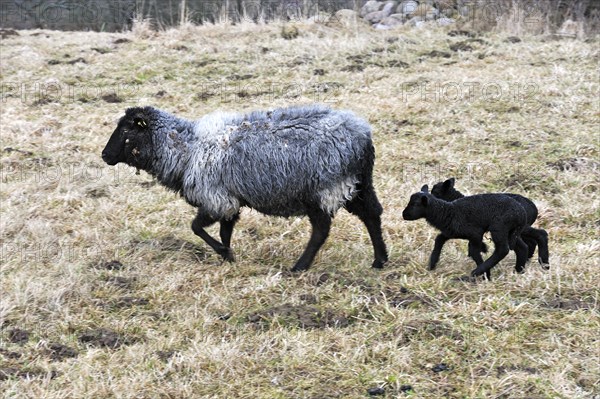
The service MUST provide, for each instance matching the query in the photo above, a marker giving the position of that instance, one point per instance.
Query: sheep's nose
(104, 155)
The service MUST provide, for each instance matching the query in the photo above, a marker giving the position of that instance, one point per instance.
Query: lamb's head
(417, 204)
(445, 190)
(132, 141)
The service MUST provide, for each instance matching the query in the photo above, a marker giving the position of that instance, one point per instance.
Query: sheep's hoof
(520, 270)
(298, 269)
(227, 254)
(378, 264)
(432, 267)
(545, 265)
(477, 273)
(484, 248)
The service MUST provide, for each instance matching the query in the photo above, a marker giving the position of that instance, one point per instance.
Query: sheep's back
(491, 208)
(280, 162)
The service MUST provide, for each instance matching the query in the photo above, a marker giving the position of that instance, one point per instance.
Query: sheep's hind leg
(200, 222)
(225, 232)
(541, 237)
(521, 249)
(321, 223)
(368, 209)
(528, 236)
(500, 251)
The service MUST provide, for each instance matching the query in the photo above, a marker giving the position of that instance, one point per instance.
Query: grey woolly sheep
(469, 218)
(533, 237)
(307, 160)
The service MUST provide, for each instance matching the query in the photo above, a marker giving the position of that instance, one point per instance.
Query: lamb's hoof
(545, 265)
(378, 264)
(299, 268)
(431, 267)
(484, 248)
(520, 270)
(477, 273)
(227, 254)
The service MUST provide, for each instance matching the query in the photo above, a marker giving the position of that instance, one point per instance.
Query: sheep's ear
(424, 200)
(449, 183)
(139, 121)
(425, 188)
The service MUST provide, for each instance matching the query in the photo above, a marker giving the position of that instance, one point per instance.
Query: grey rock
(391, 21)
(445, 21)
(370, 7)
(407, 7)
(414, 20)
(377, 16)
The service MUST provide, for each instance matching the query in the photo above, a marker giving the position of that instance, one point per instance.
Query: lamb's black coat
(306, 160)
(533, 237)
(469, 218)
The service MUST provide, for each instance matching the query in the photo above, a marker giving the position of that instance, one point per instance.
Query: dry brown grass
(183, 325)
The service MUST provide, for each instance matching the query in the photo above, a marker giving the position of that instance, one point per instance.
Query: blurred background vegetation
(117, 15)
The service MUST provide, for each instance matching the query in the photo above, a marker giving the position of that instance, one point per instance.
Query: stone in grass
(18, 336)
(112, 98)
(377, 391)
(26, 373)
(289, 32)
(59, 352)
(440, 367)
(103, 337)
(9, 354)
(112, 265)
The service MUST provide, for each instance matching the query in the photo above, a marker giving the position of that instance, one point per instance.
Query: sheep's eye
(127, 141)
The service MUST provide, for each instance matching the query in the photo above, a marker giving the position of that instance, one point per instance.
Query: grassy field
(107, 293)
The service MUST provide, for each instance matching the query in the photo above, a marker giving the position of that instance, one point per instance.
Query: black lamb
(533, 237)
(469, 218)
(307, 160)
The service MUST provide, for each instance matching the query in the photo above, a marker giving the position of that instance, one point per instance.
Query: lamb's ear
(448, 184)
(424, 200)
(425, 188)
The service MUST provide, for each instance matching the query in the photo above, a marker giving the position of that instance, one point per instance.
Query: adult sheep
(306, 160)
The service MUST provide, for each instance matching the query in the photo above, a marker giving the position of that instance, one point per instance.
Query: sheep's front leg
(321, 222)
(475, 250)
(500, 251)
(440, 240)
(203, 220)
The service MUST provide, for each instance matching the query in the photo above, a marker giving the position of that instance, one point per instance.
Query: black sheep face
(131, 142)
(416, 206)
(445, 190)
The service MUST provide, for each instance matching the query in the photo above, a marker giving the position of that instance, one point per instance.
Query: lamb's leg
(440, 240)
(225, 232)
(321, 222)
(528, 236)
(544, 255)
(540, 236)
(200, 222)
(521, 251)
(475, 249)
(501, 249)
(368, 209)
